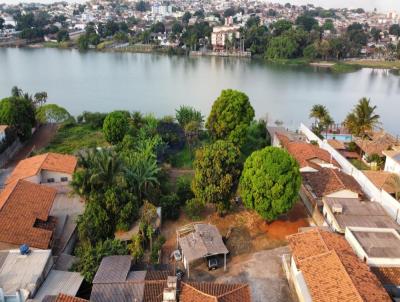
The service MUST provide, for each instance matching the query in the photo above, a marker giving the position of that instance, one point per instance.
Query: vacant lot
(255, 249)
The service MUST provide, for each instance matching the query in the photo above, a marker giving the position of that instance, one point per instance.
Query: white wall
(392, 166)
(300, 284)
(343, 194)
(46, 174)
(391, 205)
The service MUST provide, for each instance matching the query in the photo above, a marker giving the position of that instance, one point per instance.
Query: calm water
(156, 83)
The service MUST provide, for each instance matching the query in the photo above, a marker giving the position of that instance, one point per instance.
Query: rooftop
(328, 181)
(356, 213)
(49, 161)
(199, 240)
(331, 269)
(381, 179)
(376, 143)
(394, 154)
(214, 292)
(24, 214)
(63, 298)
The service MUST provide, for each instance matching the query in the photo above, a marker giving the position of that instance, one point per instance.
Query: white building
(392, 163)
(222, 35)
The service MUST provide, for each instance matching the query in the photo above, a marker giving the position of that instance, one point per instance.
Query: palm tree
(40, 98)
(326, 122)
(16, 92)
(318, 112)
(362, 119)
(394, 181)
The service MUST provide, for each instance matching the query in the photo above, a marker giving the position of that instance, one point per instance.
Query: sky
(381, 5)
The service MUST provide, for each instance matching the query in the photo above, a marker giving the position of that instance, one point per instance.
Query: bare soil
(40, 139)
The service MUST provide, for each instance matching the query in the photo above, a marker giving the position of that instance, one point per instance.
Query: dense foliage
(217, 170)
(270, 182)
(115, 126)
(52, 113)
(230, 116)
(362, 119)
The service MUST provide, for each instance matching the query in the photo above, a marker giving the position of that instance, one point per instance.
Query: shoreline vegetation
(347, 66)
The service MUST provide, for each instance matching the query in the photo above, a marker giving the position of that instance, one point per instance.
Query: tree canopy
(270, 182)
(52, 113)
(362, 119)
(217, 169)
(115, 126)
(230, 116)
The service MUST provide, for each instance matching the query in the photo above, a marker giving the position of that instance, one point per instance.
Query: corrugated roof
(113, 269)
(60, 282)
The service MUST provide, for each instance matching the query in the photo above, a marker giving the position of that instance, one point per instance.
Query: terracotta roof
(328, 181)
(393, 154)
(381, 179)
(329, 264)
(338, 145)
(65, 298)
(305, 154)
(387, 275)
(24, 215)
(283, 139)
(377, 143)
(214, 292)
(49, 161)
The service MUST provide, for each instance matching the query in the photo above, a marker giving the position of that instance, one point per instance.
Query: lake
(96, 81)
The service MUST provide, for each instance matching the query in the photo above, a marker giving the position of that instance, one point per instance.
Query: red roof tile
(49, 161)
(65, 298)
(305, 154)
(24, 213)
(214, 292)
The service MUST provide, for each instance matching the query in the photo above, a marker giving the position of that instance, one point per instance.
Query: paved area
(261, 270)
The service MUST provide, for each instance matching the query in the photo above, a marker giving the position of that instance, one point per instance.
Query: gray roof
(113, 269)
(356, 213)
(60, 282)
(382, 244)
(204, 241)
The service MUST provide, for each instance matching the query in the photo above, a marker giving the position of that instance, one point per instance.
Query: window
(64, 179)
(50, 179)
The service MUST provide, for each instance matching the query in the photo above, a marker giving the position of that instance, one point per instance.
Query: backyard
(255, 248)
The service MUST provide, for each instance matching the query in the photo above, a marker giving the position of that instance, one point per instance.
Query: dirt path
(40, 139)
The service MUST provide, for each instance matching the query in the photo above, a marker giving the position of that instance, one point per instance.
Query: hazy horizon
(381, 5)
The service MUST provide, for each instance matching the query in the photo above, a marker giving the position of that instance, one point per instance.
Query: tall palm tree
(318, 112)
(362, 119)
(16, 92)
(326, 122)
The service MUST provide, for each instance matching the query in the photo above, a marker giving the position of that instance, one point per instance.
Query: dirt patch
(40, 139)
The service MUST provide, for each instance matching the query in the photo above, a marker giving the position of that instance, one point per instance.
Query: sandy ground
(40, 139)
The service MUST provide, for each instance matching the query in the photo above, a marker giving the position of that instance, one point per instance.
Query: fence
(390, 204)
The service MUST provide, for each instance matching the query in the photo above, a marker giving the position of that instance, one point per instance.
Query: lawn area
(360, 165)
(70, 139)
(344, 68)
(183, 159)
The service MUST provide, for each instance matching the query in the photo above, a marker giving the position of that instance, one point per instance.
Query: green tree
(90, 256)
(115, 126)
(142, 6)
(230, 116)
(176, 28)
(40, 98)
(318, 112)
(1, 23)
(136, 247)
(280, 26)
(306, 22)
(394, 30)
(186, 114)
(158, 27)
(83, 42)
(362, 119)
(217, 169)
(52, 113)
(270, 182)
(18, 113)
(62, 35)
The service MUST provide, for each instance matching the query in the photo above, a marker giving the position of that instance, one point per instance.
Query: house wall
(300, 284)
(392, 166)
(35, 179)
(312, 206)
(391, 205)
(343, 194)
(46, 174)
(331, 220)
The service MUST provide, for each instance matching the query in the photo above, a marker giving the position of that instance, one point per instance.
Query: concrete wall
(343, 194)
(331, 220)
(311, 206)
(392, 165)
(391, 205)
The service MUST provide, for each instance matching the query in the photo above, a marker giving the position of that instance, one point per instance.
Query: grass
(183, 159)
(344, 68)
(375, 64)
(70, 139)
(360, 165)
(291, 62)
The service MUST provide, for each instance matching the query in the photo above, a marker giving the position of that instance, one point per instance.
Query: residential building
(392, 163)
(63, 298)
(223, 37)
(324, 268)
(280, 136)
(31, 276)
(382, 180)
(376, 143)
(45, 168)
(341, 213)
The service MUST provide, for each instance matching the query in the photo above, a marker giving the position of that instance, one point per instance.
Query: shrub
(183, 189)
(94, 119)
(115, 127)
(170, 206)
(193, 208)
(157, 246)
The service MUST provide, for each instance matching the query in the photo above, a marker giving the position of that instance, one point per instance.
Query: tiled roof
(378, 142)
(24, 204)
(65, 298)
(328, 263)
(328, 181)
(305, 153)
(214, 292)
(283, 139)
(338, 145)
(381, 179)
(393, 154)
(387, 275)
(49, 161)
